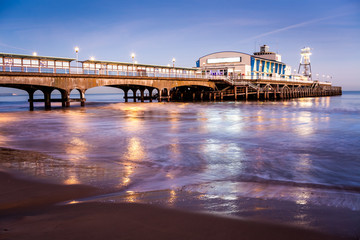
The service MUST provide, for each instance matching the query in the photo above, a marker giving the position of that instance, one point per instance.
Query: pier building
(237, 64)
(10, 62)
(135, 69)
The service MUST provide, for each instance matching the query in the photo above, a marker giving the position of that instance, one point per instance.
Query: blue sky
(157, 31)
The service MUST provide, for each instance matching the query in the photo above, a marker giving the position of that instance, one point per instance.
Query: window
(43, 63)
(8, 61)
(35, 62)
(66, 64)
(17, 61)
(50, 63)
(58, 64)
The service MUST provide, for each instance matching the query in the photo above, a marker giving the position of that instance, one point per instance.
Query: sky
(157, 31)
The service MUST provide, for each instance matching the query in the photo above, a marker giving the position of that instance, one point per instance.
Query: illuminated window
(17, 61)
(35, 62)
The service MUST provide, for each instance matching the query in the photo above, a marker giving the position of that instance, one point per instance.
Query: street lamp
(34, 53)
(133, 61)
(77, 58)
(173, 61)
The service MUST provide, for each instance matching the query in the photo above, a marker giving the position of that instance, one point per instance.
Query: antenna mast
(305, 66)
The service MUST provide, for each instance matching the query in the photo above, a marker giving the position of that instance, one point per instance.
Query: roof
(255, 56)
(225, 52)
(137, 64)
(13, 55)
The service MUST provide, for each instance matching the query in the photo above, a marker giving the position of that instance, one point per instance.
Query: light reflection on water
(268, 150)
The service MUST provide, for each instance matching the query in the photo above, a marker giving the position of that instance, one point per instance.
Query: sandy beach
(28, 210)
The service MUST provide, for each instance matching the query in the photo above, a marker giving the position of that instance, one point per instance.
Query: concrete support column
(221, 96)
(257, 94)
(246, 93)
(126, 94)
(150, 94)
(160, 94)
(134, 90)
(31, 99)
(201, 96)
(47, 99)
(168, 95)
(82, 98)
(142, 95)
(64, 95)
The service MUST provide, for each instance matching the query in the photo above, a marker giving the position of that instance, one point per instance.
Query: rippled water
(303, 150)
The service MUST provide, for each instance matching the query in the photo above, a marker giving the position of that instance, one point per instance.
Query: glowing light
(133, 55)
(172, 197)
(76, 49)
(34, 53)
(135, 151)
(72, 180)
(92, 58)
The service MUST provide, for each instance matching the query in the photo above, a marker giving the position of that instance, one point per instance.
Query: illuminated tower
(305, 66)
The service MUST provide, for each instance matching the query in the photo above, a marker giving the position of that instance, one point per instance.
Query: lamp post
(133, 61)
(173, 61)
(77, 59)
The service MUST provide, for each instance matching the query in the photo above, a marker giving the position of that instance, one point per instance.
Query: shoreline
(30, 212)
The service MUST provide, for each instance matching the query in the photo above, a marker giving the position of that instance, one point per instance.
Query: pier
(162, 83)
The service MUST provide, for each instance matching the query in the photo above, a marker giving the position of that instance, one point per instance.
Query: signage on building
(224, 60)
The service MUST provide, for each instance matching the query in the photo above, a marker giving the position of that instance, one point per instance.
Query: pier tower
(305, 66)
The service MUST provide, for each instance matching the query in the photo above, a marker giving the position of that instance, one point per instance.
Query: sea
(291, 161)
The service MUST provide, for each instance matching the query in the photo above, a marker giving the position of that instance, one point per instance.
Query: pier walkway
(165, 83)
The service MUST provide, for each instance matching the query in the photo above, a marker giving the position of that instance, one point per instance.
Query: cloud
(292, 27)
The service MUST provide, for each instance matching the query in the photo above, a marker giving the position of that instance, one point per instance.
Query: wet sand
(28, 211)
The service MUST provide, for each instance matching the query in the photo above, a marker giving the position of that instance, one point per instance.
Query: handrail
(238, 80)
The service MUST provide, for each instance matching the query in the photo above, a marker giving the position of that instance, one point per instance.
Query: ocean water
(301, 151)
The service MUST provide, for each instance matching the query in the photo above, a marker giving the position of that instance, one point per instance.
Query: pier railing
(233, 80)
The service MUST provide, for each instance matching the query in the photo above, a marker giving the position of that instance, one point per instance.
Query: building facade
(237, 64)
